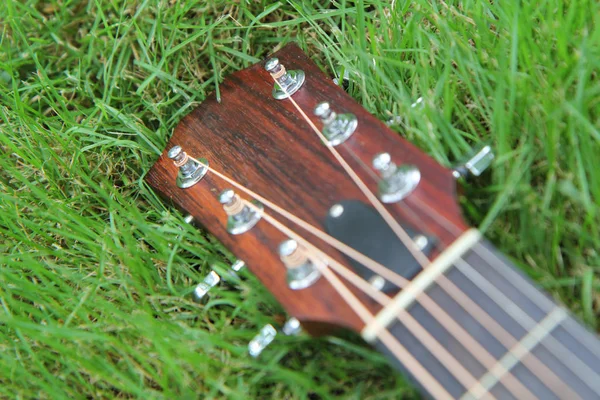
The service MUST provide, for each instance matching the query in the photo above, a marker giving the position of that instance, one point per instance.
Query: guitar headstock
(267, 146)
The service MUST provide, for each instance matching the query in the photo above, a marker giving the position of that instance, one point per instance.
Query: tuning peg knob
(477, 162)
(343, 77)
(337, 128)
(301, 270)
(262, 340)
(240, 217)
(286, 82)
(396, 182)
(190, 172)
(238, 265)
(292, 327)
(201, 290)
(268, 333)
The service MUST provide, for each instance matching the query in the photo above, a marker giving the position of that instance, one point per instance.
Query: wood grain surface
(266, 145)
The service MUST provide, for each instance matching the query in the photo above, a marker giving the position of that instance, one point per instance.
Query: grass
(95, 271)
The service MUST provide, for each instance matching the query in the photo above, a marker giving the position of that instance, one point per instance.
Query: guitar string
(397, 228)
(398, 280)
(423, 376)
(533, 295)
(554, 383)
(201, 163)
(568, 357)
(384, 337)
(536, 298)
(392, 223)
(530, 360)
(404, 316)
(413, 365)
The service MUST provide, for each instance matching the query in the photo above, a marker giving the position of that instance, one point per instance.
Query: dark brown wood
(266, 145)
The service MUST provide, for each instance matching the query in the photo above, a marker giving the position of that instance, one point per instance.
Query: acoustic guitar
(350, 226)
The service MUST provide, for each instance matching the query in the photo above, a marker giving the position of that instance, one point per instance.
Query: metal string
(533, 363)
(361, 258)
(404, 317)
(392, 223)
(400, 232)
(400, 281)
(351, 300)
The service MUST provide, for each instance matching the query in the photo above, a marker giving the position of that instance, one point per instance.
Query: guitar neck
(526, 345)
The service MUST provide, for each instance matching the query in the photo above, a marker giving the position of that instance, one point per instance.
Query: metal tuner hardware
(397, 182)
(286, 82)
(301, 270)
(268, 333)
(336, 127)
(292, 327)
(262, 340)
(190, 172)
(478, 161)
(238, 265)
(202, 289)
(240, 217)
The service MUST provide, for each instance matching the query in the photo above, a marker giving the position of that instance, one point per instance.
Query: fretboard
(500, 336)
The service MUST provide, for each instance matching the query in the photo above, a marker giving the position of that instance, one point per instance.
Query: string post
(189, 171)
(337, 128)
(302, 272)
(240, 217)
(286, 82)
(397, 182)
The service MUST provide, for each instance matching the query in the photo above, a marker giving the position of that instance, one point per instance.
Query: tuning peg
(262, 340)
(268, 333)
(477, 162)
(418, 104)
(336, 127)
(286, 82)
(396, 182)
(238, 265)
(291, 327)
(301, 271)
(240, 217)
(190, 172)
(210, 281)
(345, 78)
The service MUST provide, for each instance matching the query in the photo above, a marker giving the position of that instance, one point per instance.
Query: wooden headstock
(267, 146)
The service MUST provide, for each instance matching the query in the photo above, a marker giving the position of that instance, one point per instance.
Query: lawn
(96, 271)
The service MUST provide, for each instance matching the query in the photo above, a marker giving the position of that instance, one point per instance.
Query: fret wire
(515, 354)
(497, 262)
(494, 294)
(582, 335)
(554, 382)
(544, 374)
